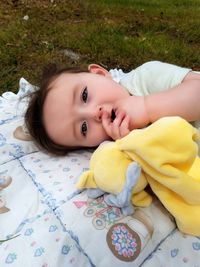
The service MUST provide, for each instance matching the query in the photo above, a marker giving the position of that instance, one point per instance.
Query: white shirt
(152, 77)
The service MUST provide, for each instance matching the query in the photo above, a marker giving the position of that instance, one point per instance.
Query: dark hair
(34, 113)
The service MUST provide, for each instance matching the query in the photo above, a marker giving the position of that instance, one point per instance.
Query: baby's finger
(116, 125)
(106, 123)
(120, 115)
(111, 129)
(124, 127)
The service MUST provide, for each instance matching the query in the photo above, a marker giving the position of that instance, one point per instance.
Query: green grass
(115, 33)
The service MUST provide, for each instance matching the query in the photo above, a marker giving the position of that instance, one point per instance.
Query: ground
(114, 33)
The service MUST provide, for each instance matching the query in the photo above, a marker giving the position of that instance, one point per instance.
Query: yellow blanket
(168, 155)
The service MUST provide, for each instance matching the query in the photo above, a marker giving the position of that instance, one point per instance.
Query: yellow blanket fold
(168, 155)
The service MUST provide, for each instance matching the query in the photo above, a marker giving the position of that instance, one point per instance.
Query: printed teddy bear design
(4, 182)
(22, 133)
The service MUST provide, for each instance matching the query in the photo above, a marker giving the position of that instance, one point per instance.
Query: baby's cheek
(97, 135)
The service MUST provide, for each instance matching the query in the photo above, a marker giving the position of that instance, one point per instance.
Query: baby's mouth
(113, 115)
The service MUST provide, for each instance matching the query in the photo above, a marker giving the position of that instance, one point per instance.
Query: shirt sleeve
(152, 77)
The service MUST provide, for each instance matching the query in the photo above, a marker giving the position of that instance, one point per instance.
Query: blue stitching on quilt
(50, 202)
(157, 246)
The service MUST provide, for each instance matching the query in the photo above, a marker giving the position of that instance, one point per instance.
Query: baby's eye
(84, 128)
(85, 95)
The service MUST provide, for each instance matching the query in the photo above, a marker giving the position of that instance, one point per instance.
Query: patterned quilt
(46, 222)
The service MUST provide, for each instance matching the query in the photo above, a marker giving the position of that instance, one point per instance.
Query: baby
(81, 108)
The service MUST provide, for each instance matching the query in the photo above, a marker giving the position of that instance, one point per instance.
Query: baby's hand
(117, 128)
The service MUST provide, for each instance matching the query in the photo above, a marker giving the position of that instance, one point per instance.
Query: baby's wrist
(147, 117)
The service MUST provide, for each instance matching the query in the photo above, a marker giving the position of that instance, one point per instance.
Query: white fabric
(117, 74)
(152, 77)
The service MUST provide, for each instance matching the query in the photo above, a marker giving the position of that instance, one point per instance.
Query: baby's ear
(97, 69)
(86, 180)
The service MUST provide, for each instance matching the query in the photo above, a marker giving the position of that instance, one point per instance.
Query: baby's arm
(192, 76)
(137, 112)
(182, 100)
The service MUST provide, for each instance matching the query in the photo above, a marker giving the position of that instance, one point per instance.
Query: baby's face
(76, 105)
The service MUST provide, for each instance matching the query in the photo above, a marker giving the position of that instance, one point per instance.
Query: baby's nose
(98, 114)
